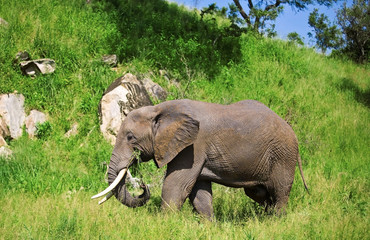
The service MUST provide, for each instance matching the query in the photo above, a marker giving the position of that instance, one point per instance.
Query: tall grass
(47, 184)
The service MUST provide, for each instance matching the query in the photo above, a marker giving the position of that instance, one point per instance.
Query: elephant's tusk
(109, 195)
(113, 185)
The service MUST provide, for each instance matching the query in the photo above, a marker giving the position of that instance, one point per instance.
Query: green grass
(46, 186)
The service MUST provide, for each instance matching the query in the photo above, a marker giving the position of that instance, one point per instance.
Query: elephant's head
(157, 132)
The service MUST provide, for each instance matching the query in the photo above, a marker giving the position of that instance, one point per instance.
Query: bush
(43, 130)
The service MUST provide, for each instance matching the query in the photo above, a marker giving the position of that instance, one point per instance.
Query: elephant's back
(253, 109)
(257, 124)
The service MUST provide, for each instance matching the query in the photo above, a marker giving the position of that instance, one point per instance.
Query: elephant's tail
(301, 171)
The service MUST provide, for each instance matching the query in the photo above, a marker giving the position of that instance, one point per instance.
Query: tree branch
(242, 12)
(277, 3)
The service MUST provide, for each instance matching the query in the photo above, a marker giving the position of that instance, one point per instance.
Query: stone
(5, 152)
(154, 89)
(121, 97)
(3, 22)
(35, 117)
(4, 130)
(2, 142)
(73, 131)
(36, 67)
(164, 74)
(111, 60)
(22, 56)
(12, 113)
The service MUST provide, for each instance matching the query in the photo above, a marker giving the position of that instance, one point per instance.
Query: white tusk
(109, 195)
(113, 185)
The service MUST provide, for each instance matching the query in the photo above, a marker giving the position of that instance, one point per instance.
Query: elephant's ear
(174, 130)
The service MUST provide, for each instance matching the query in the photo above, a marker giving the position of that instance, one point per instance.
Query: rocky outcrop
(35, 117)
(122, 96)
(12, 114)
(13, 117)
(36, 67)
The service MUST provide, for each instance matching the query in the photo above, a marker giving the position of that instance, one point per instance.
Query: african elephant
(241, 145)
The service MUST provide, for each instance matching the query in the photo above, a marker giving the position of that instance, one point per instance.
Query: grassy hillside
(46, 186)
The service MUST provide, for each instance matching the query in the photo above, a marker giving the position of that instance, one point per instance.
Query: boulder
(110, 60)
(36, 67)
(12, 114)
(154, 90)
(122, 96)
(5, 152)
(32, 120)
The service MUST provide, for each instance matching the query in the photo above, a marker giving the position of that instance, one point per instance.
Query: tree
(262, 11)
(327, 34)
(295, 38)
(355, 24)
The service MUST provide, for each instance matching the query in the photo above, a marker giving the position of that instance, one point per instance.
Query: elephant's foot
(201, 199)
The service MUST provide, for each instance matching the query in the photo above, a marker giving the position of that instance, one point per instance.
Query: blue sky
(288, 21)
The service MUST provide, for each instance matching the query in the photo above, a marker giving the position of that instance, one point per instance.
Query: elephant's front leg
(201, 198)
(182, 173)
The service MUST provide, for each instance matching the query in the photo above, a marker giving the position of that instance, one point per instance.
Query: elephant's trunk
(120, 191)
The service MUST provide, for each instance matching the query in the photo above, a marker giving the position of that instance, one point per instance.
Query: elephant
(241, 145)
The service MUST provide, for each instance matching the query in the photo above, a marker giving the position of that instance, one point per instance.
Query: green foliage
(43, 130)
(327, 35)
(295, 38)
(355, 24)
(47, 184)
(260, 13)
(170, 35)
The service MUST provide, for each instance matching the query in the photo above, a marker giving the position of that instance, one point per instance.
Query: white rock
(154, 89)
(12, 113)
(110, 60)
(22, 56)
(122, 96)
(32, 120)
(5, 152)
(73, 131)
(40, 66)
(2, 142)
(4, 131)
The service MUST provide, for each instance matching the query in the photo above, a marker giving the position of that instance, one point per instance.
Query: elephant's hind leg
(259, 194)
(280, 187)
(201, 198)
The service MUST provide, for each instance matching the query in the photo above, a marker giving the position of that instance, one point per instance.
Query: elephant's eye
(130, 137)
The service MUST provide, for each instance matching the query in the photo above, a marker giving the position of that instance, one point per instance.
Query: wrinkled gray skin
(242, 145)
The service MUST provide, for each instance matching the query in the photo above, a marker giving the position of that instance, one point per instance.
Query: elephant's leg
(259, 194)
(281, 197)
(280, 186)
(182, 173)
(201, 198)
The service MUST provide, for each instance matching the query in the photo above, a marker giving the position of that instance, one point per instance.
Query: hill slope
(46, 186)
